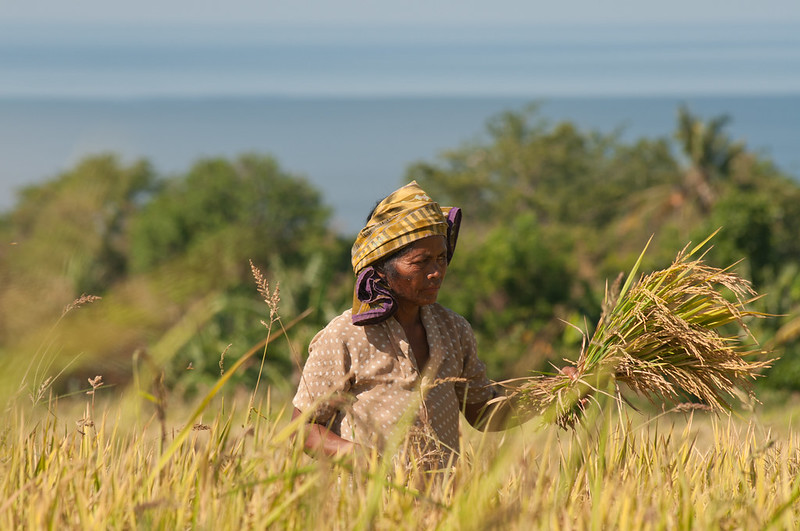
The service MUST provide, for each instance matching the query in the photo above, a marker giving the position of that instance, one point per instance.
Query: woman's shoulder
(341, 324)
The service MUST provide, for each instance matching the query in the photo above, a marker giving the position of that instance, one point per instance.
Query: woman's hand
(320, 441)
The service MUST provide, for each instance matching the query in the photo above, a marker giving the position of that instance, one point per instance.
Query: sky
(365, 12)
(198, 48)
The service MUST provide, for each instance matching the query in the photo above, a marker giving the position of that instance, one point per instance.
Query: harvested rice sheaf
(665, 338)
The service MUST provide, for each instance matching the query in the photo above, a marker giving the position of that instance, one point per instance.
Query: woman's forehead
(430, 244)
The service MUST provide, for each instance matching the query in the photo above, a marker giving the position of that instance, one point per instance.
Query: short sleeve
(326, 375)
(475, 383)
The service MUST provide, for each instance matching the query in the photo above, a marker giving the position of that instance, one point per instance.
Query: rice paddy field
(144, 456)
(128, 460)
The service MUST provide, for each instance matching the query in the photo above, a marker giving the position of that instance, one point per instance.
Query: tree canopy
(552, 213)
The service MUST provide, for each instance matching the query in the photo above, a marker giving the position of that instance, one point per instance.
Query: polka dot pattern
(362, 379)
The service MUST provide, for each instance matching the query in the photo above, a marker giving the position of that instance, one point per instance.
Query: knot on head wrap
(405, 216)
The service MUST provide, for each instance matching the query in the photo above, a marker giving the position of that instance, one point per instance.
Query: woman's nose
(436, 271)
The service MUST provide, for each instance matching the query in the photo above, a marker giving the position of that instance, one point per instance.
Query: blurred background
(149, 150)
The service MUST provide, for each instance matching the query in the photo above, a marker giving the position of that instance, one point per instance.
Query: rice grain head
(678, 333)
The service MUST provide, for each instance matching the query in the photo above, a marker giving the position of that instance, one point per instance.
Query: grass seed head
(271, 298)
(80, 301)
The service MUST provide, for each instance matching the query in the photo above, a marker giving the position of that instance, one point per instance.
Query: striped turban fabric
(405, 216)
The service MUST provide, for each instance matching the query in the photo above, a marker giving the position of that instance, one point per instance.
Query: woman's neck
(410, 319)
(408, 316)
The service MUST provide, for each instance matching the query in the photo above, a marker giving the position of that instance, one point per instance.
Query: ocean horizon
(354, 150)
(351, 108)
(144, 61)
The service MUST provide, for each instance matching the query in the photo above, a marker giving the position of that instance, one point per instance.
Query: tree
(227, 211)
(557, 172)
(70, 236)
(78, 222)
(710, 153)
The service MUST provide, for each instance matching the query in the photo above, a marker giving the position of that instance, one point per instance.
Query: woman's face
(418, 274)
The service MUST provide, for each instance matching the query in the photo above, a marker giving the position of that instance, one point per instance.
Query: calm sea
(351, 110)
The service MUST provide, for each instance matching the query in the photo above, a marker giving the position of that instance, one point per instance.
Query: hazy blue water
(354, 150)
(351, 108)
(520, 62)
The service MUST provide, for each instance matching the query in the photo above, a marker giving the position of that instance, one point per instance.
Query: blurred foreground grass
(115, 460)
(145, 455)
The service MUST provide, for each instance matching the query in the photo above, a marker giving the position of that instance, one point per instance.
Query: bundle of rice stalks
(664, 338)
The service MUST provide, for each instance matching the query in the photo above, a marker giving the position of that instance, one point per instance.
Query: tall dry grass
(233, 473)
(114, 459)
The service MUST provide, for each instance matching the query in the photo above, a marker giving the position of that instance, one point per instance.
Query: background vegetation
(551, 214)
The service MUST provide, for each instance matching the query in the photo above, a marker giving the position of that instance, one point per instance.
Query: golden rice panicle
(676, 333)
(678, 347)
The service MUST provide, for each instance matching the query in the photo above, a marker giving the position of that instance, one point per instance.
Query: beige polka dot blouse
(364, 383)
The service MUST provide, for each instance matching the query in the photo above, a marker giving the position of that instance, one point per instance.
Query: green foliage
(170, 258)
(748, 222)
(558, 173)
(551, 214)
(705, 144)
(70, 236)
(710, 153)
(759, 210)
(209, 224)
(508, 282)
(77, 224)
(515, 274)
(243, 209)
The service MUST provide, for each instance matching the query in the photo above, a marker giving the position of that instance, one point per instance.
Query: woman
(397, 355)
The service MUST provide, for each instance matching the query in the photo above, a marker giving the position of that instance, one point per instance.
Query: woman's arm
(319, 440)
(496, 414)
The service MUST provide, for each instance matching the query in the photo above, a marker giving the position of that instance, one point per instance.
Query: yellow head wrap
(405, 216)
